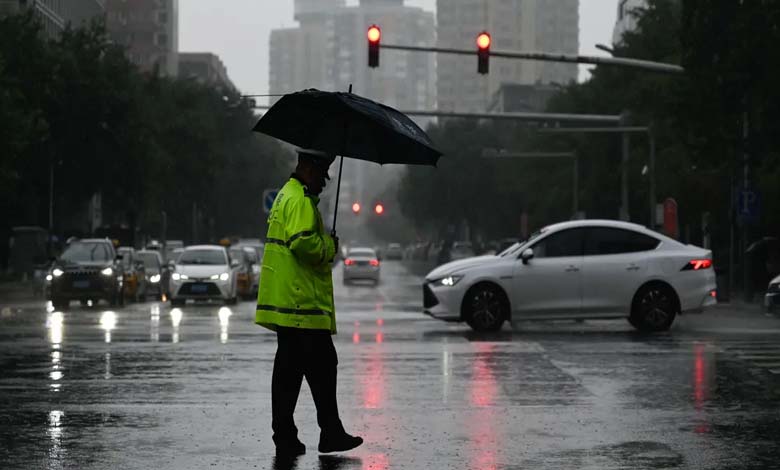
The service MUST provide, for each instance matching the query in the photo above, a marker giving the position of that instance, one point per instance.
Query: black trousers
(303, 353)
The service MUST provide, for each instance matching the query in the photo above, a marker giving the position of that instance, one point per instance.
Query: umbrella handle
(338, 191)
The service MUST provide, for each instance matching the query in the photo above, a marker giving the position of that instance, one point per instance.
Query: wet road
(148, 386)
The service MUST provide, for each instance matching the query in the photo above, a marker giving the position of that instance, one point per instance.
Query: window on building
(161, 39)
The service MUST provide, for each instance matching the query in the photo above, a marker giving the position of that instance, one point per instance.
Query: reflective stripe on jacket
(296, 285)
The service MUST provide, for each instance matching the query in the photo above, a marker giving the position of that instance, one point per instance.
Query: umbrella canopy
(348, 125)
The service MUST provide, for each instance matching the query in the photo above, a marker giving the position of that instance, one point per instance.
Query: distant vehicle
(155, 273)
(244, 274)
(204, 272)
(394, 251)
(134, 274)
(361, 263)
(259, 248)
(461, 250)
(772, 296)
(170, 249)
(585, 269)
(87, 270)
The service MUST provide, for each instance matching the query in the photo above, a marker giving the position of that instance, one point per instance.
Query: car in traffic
(87, 270)
(134, 274)
(394, 251)
(584, 269)
(155, 273)
(172, 249)
(361, 264)
(204, 272)
(772, 296)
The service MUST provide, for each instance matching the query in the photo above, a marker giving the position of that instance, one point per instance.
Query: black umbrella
(350, 126)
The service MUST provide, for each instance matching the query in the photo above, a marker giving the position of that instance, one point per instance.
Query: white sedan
(362, 264)
(204, 272)
(585, 269)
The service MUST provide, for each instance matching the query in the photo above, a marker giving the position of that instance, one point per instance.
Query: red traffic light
(374, 33)
(356, 208)
(379, 208)
(483, 52)
(483, 40)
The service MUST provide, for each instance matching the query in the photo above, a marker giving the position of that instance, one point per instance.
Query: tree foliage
(146, 143)
(697, 119)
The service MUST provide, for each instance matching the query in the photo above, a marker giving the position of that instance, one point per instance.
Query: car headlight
(449, 281)
(221, 277)
(107, 272)
(155, 278)
(49, 277)
(57, 272)
(177, 276)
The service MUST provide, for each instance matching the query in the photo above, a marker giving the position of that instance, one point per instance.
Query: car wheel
(654, 308)
(60, 304)
(231, 301)
(485, 307)
(178, 302)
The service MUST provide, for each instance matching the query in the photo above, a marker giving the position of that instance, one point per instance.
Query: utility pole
(651, 176)
(747, 288)
(626, 144)
(51, 197)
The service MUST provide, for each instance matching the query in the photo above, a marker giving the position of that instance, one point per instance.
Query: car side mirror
(234, 263)
(527, 255)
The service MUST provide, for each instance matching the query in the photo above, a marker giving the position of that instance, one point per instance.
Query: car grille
(429, 299)
(211, 289)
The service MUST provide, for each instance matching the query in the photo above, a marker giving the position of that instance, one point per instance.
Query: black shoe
(339, 443)
(292, 449)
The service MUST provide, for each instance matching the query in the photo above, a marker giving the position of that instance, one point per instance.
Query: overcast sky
(239, 33)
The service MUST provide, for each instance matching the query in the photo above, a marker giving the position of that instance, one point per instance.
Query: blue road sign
(268, 199)
(748, 205)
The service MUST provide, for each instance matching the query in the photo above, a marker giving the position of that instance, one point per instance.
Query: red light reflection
(483, 435)
(376, 462)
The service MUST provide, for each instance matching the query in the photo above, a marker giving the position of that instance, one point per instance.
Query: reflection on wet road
(148, 386)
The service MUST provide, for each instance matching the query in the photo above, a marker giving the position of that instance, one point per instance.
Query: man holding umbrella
(296, 287)
(295, 299)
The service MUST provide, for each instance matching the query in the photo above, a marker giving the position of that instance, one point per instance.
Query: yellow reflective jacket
(296, 285)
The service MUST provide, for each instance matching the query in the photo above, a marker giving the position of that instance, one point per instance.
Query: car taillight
(697, 264)
(374, 262)
(349, 262)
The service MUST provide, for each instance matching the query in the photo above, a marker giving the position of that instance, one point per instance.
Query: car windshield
(81, 252)
(211, 257)
(149, 260)
(515, 248)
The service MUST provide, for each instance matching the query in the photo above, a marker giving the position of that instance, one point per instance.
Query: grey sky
(239, 34)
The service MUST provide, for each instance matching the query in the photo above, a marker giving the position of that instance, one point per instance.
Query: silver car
(204, 272)
(361, 263)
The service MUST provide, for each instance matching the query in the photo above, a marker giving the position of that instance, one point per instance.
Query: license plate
(80, 284)
(199, 288)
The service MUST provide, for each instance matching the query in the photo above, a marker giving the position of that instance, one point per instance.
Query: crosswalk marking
(761, 354)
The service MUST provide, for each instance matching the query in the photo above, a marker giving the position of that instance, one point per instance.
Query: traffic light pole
(660, 67)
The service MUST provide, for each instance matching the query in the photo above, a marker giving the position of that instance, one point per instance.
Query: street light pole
(651, 175)
(51, 197)
(624, 212)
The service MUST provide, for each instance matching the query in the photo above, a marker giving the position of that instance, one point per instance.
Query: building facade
(149, 30)
(514, 25)
(626, 21)
(205, 68)
(51, 13)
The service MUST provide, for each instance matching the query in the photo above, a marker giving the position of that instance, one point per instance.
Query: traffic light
(356, 208)
(483, 52)
(374, 34)
(379, 208)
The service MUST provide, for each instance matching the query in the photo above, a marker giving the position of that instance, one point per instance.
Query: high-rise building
(149, 29)
(54, 15)
(206, 68)
(328, 51)
(626, 21)
(514, 25)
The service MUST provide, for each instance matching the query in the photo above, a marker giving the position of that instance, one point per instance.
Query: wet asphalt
(147, 386)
